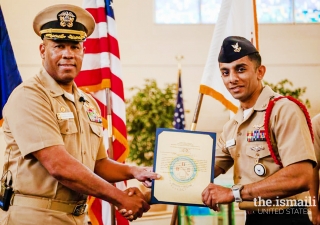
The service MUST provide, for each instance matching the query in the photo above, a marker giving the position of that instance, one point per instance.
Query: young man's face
(242, 78)
(62, 59)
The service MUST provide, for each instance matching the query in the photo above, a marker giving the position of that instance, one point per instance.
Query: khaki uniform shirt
(316, 133)
(289, 134)
(38, 115)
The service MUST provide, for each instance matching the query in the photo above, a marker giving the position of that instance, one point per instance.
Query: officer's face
(242, 78)
(62, 59)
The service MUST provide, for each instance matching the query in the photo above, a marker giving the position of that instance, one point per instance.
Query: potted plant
(151, 107)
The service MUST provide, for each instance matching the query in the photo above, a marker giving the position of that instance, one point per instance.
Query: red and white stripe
(101, 69)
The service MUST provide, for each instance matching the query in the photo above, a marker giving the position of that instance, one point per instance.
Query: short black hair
(256, 58)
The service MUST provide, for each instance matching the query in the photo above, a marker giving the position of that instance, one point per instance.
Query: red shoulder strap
(267, 119)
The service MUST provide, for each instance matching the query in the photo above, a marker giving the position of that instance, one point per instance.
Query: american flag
(178, 120)
(101, 71)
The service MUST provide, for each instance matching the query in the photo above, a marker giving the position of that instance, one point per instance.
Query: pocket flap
(96, 129)
(258, 150)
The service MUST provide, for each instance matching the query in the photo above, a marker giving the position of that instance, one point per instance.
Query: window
(277, 11)
(207, 11)
(307, 11)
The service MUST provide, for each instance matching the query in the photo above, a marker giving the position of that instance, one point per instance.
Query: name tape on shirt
(65, 115)
(230, 143)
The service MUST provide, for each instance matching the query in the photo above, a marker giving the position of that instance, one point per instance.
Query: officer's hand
(134, 191)
(318, 219)
(146, 195)
(130, 192)
(134, 205)
(215, 194)
(145, 175)
(315, 215)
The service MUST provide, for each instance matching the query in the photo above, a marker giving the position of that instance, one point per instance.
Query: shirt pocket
(67, 126)
(95, 139)
(260, 156)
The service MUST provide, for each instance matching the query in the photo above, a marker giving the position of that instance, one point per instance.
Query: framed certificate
(185, 161)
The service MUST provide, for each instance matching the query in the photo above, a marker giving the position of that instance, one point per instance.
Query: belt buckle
(79, 209)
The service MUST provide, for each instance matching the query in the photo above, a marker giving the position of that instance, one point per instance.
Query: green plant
(150, 108)
(284, 87)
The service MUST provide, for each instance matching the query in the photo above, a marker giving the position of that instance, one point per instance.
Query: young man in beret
(55, 155)
(262, 187)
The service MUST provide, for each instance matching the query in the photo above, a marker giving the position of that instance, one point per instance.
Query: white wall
(148, 50)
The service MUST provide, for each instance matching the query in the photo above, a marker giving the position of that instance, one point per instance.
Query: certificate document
(185, 161)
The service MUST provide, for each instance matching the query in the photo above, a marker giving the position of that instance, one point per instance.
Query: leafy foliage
(284, 87)
(150, 108)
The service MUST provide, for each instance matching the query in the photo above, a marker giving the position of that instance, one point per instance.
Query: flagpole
(109, 119)
(179, 59)
(255, 19)
(110, 142)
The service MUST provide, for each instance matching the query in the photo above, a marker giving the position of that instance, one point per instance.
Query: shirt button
(238, 155)
(84, 152)
(239, 177)
(67, 130)
(239, 133)
(257, 154)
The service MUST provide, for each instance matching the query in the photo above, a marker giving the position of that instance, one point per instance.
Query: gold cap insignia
(236, 47)
(66, 18)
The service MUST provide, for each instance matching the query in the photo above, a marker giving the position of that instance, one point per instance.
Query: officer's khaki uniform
(31, 123)
(289, 133)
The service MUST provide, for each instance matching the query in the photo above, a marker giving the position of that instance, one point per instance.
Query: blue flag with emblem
(9, 74)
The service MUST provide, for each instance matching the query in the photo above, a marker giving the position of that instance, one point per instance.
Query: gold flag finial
(179, 59)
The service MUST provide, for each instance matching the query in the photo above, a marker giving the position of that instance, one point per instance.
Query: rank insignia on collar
(256, 135)
(66, 18)
(236, 47)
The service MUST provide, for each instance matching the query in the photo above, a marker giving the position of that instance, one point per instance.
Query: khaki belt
(75, 209)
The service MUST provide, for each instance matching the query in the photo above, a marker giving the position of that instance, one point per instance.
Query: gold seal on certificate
(184, 159)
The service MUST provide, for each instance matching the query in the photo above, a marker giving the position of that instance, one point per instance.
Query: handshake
(140, 203)
(135, 203)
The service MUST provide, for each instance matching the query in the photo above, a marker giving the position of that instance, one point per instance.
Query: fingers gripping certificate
(185, 160)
